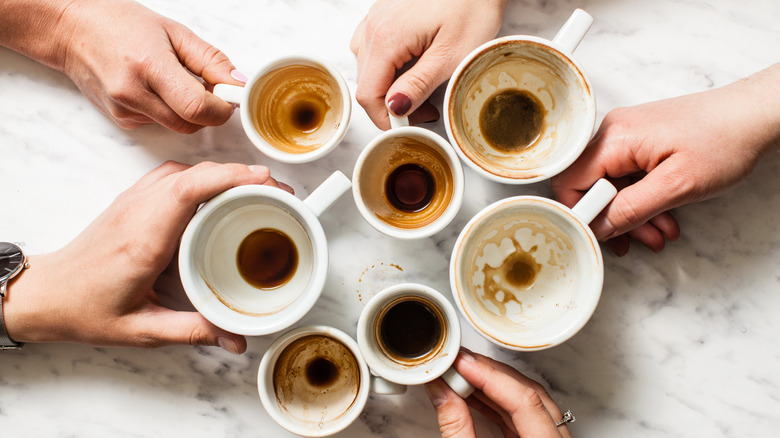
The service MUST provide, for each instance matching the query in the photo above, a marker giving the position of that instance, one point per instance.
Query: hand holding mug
(100, 288)
(672, 152)
(133, 64)
(438, 32)
(517, 404)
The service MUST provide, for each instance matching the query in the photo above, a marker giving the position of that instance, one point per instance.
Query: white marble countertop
(683, 343)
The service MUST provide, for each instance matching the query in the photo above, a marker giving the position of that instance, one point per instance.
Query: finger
(377, 72)
(636, 204)
(160, 326)
(285, 187)
(417, 84)
(619, 245)
(155, 109)
(202, 58)
(426, 113)
(357, 38)
(452, 412)
(521, 400)
(167, 168)
(187, 96)
(649, 236)
(486, 407)
(667, 225)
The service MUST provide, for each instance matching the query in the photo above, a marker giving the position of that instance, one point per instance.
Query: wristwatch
(12, 261)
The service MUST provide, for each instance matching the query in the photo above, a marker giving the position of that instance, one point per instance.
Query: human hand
(665, 154)
(135, 65)
(520, 406)
(99, 289)
(438, 32)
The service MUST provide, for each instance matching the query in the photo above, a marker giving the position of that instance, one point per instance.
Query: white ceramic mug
(415, 367)
(433, 188)
(208, 255)
(546, 82)
(527, 272)
(313, 381)
(286, 92)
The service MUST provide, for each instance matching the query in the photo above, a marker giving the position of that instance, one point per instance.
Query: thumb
(413, 87)
(203, 59)
(452, 412)
(634, 205)
(171, 327)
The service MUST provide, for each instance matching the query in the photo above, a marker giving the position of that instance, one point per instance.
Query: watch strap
(5, 341)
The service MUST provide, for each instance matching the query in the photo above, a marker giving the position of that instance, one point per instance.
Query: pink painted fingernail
(466, 355)
(399, 104)
(237, 75)
(228, 345)
(259, 170)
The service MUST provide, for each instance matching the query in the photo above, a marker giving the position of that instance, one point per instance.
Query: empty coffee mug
(314, 382)
(408, 182)
(520, 109)
(527, 272)
(409, 334)
(295, 109)
(253, 260)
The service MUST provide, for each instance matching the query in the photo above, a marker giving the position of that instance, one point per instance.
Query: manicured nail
(399, 104)
(436, 394)
(237, 75)
(228, 345)
(259, 170)
(466, 355)
(286, 187)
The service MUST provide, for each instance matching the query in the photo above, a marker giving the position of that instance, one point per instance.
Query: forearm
(34, 29)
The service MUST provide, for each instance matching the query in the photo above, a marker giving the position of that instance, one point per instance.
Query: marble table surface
(683, 343)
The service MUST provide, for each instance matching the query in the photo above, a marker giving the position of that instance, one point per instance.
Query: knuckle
(420, 83)
(453, 425)
(199, 336)
(194, 109)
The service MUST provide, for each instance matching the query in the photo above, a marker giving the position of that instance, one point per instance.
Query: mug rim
(458, 182)
(449, 349)
(215, 310)
(533, 175)
(268, 149)
(265, 378)
(589, 306)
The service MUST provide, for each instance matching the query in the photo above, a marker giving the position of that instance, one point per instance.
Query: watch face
(11, 260)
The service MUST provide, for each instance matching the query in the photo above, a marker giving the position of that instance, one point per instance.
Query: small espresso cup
(408, 182)
(409, 334)
(253, 260)
(527, 272)
(295, 109)
(313, 381)
(520, 109)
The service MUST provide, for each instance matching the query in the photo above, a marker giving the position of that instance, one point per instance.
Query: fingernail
(228, 345)
(286, 188)
(436, 394)
(258, 170)
(466, 355)
(237, 75)
(603, 228)
(399, 104)
(234, 107)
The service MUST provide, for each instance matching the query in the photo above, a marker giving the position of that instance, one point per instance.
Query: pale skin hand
(665, 154)
(99, 289)
(518, 405)
(438, 32)
(130, 62)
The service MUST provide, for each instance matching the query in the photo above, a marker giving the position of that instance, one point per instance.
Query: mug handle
(398, 122)
(595, 200)
(229, 93)
(458, 384)
(327, 193)
(573, 30)
(385, 387)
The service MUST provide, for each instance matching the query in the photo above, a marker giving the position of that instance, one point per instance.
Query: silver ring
(568, 417)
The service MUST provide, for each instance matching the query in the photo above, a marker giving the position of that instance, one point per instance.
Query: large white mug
(527, 272)
(520, 109)
(295, 109)
(254, 259)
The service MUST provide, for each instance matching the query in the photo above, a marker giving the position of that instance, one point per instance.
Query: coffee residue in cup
(267, 258)
(410, 329)
(512, 119)
(410, 187)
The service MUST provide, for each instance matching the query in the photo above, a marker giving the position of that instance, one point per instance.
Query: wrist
(36, 29)
(760, 93)
(24, 307)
